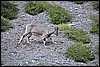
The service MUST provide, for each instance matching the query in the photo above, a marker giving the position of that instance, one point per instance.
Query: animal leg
(44, 41)
(30, 34)
(27, 31)
(53, 41)
(21, 39)
(28, 41)
(50, 39)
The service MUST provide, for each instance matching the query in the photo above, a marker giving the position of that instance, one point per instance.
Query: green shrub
(5, 49)
(97, 49)
(56, 13)
(77, 35)
(33, 8)
(95, 28)
(95, 25)
(1, 62)
(95, 5)
(79, 52)
(78, 2)
(95, 19)
(59, 15)
(37, 7)
(42, 63)
(63, 26)
(8, 10)
(5, 24)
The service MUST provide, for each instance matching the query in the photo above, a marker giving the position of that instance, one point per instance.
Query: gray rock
(31, 55)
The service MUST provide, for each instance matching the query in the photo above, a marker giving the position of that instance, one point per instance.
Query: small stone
(75, 8)
(33, 61)
(26, 62)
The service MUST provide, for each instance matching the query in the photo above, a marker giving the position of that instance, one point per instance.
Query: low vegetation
(63, 27)
(79, 52)
(95, 28)
(56, 13)
(95, 25)
(42, 63)
(1, 62)
(78, 2)
(97, 50)
(8, 10)
(33, 8)
(74, 34)
(5, 24)
(59, 15)
(95, 5)
(78, 35)
(5, 49)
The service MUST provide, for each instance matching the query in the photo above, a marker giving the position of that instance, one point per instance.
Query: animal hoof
(18, 42)
(29, 43)
(45, 46)
(54, 42)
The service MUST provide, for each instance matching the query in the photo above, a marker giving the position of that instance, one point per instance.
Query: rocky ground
(13, 54)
